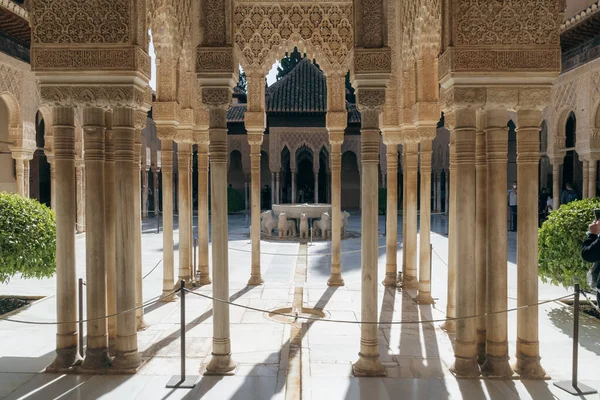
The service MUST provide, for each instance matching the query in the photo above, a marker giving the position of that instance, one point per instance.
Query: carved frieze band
(216, 97)
(372, 60)
(92, 96)
(130, 58)
(215, 59)
(525, 98)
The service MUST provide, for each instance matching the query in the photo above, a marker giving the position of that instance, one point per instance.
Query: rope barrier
(145, 304)
(152, 270)
(438, 256)
(591, 303)
(308, 255)
(340, 321)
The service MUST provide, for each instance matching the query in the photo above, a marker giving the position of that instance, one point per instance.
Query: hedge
(560, 239)
(27, 238)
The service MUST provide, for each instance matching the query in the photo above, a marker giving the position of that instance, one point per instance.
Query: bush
(235, 200)
(27, 238)
(560, 239)
(382, 201)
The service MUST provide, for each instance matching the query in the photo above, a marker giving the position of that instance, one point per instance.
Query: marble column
(391, 231)
(155, 172)
(410, 280)
(438, 186)
(110, 204)
(424, 296)
(80, 179)
(27, 173)
(66, 277)
(255, 140)
(496, 347)
(556, 164)
(278, 200)
(126, 355)
(481, 230)
(293, 186)
(368, 363)
(450, 326)
(137, 163)
(52, 183)
(528, 153)
(465, 350)
(166, 135)
(184, 153)
(273, 190)
(447, 191)
(316, 187)
(96, 353)
(336, 138)
(203, 213)
(20, 172)
(146, 186)
(586, 174)
(404, 212)
(221, 362)
(246, 193)
(592, 176)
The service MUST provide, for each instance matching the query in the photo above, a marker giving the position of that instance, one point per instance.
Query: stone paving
(416, 357)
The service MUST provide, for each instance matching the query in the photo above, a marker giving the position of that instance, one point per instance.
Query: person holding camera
(590, 252)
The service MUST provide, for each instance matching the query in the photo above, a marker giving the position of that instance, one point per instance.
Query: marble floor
(274, 362)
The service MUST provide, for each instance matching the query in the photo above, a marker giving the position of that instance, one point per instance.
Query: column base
(424, 298)
(335, 280)
(65, 360)
(204, 279)
(168, 296)
(96, 359)
(127, 360)
(465, 367)
(141, 325)
(496, 367)
(255, 280)
(221, 364)
(529, 367)
(368, 366)
(390, 279)
(449, 326)
(481, 353)
(410, 282)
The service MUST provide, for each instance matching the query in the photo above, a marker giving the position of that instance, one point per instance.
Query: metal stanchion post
(182, 381)
(158, 223)
(573, 387)
(81, 317)
(196, 272)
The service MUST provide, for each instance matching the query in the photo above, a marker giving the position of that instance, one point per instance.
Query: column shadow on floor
(589, 326)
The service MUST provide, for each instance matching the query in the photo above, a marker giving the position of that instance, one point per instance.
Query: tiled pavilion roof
(303, 89)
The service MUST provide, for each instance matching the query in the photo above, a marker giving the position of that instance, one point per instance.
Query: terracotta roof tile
(303, 89)
(236, 113)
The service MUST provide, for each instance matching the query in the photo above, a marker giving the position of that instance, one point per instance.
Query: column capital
(336, 136)
(255, 139)
(392, 135)
(216, 98)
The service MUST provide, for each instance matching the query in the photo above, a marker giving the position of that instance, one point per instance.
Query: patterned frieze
(166, 132)
(216, 97)
(186, 117)
(372, 61)
(106, 96)
(511, 98)
(184, 136)
(336, 120)
(255, 120)
(391, 136)
(215, 59)
(165, 111)
(201, 136)
(426, 113)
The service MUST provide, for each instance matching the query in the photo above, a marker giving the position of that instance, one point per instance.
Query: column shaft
(336, 213)
(368, 363)
(555, 186)
(316, 188)
(481, 232)
(137, 198)
(146, 186)
(203, 214)
(96, 354)
(586, 175)
(110, 204)
(255, 274)
(465, 350)
(273, 191)
(528, 146)
(167, 218)
(410, 280)
(66, 277)
(52, 184)
(221, 361)
(391, 237)
(20, 172)
(450, 326)
(27, 173)
(496, 351)
(593, 176)
(278, 192)
(79, 175)
(155, 172)
(185, 219)
(293, 186)
(404, 212)
(126, 356)
(424, 296)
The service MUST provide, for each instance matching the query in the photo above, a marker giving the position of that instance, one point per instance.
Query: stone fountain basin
(295, 210)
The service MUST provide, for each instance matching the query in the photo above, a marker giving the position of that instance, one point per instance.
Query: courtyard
(291, 360)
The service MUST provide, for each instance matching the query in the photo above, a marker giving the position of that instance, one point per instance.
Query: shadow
(539, 390)
(156, 347)
(562, 318)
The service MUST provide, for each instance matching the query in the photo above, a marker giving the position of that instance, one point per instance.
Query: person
(542, 206)
(512, 204)
(568, 195)
(590, 252)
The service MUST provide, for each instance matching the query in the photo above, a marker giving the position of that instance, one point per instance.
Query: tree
(288, 63)
(27, 238)
(560, 239)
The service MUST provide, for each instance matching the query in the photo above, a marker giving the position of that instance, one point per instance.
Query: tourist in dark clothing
(590, 252)
(542, 202)
(568, 195)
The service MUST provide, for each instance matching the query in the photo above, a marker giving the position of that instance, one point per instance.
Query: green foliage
(27, 238)
(288, 63)
(235, 200)
(382, 201)
(560, 239)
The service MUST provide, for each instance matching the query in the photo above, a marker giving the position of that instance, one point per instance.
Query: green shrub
(27, 238)
(235, 200)
(560, 239)
(382, 201)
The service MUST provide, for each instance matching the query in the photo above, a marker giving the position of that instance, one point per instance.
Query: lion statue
(267, 222)
(345, 218)
(286, 227)
(323, 226)
(303, 226)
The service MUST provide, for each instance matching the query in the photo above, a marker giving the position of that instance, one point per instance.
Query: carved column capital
(216, 98)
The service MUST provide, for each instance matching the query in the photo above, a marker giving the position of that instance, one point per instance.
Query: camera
(597, 214)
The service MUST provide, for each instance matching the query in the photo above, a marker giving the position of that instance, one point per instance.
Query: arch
(39, 177)
(14, 110)
(561, 122)
(8, 180)
(572, 166)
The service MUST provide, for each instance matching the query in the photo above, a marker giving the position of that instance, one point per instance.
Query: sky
(271, 76)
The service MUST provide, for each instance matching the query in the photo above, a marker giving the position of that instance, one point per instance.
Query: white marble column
(146, 187)
(155, 172)
(450, 326)
(166, 135)
(52, 183)
(140, 123)
(481, 232)
(592, 176)
(316, 187)
(26, 177)
(20, 172)
(246, 193)
(528, 153)
(80, 179)
(336, 138)
(66, 277)
(126, 355)
(586, 174)
(293, 186)
(96, 354)
(424, 296)
(221, 362)
(465, 349)
(110, 204)
(185, 219)
(255, 140)
(368, 363)
(273, 190)
(556, 164)
(277, 182)
(410, 280)
(391, 231)
(203, 213)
